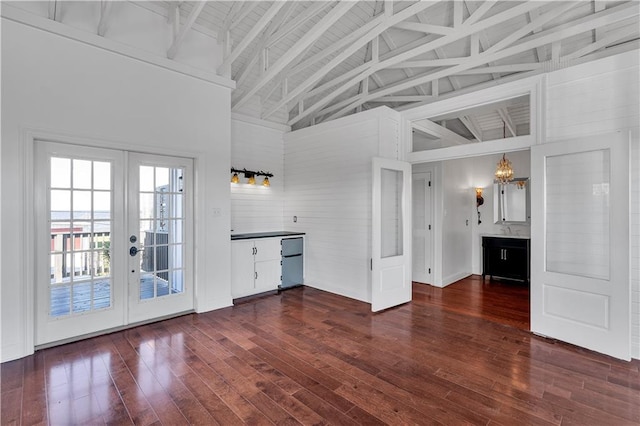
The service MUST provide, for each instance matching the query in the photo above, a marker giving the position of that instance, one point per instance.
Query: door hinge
(371, 266)
(429, 183)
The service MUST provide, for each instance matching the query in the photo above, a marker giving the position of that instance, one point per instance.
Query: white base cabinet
(255, 266)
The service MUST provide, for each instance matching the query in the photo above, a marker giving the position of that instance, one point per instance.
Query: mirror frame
(497, 202)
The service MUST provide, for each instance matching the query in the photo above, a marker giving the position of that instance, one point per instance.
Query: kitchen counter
(255, 235)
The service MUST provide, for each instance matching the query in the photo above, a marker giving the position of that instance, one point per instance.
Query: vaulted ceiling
(305, 62)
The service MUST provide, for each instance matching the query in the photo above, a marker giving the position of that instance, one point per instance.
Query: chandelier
(504, 171)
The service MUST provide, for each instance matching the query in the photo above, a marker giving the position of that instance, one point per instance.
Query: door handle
(134, 250)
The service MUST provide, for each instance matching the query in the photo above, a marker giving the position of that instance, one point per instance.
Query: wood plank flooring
(309, 357)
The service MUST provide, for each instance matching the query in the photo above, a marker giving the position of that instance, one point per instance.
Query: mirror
(511, 201)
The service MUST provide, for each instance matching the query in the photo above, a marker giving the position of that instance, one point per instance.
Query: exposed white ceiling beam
(424, 28)
(228, 20)
(463, 32)
(55, 10)
(598, 33)
(298, 48)
(310, 12)
(457, 13)
(179, 37)
(247, 8)
(506, 118)
(541, 51)
(407, 98)
(254, 32)
(611, 37)
(609, 16)
(505, 69)
(434, 129)
(429, 63)
(470, 123)
(384, 24)
(269, 33)
(407, 71)
(479, 12)
(105, 10)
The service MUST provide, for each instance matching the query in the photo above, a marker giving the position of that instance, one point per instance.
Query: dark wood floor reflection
(306, 356)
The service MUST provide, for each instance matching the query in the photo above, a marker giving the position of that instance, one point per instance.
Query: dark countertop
(255, 235)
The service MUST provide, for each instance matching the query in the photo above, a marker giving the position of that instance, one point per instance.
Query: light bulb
(235, 178)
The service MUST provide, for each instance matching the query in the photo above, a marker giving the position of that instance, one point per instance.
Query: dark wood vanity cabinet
(506, 257)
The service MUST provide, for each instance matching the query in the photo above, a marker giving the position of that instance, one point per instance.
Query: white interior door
(79, 265)
(580, 289)
(159, 232)
(421, 233)
(391, 234)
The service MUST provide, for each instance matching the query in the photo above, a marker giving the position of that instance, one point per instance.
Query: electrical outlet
(295, 219)
(217, 212)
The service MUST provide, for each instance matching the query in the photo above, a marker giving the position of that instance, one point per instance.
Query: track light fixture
(250, 175)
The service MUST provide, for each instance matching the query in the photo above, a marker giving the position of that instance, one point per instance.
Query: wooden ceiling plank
(535, 24)
(299, 20)
(609, 16)
(406, 98)
(298, 48)
(424, 28)
(407, 71)
(179, 37)
(105, 11)
(505, 69)
(472, 125)
(434, 129)
(245, 11)
(506, 118)
(252, 34)
(276, 22)
(228, 20)
(384, 24)
(541, 51)
(464, 31)
(429, 63)
(611, 37)
(479, 12)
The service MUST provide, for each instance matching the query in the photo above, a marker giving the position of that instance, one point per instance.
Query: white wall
(601, 97)
(63, 87)
(456, 224)
(132, 25)
(328, 186)
(257, 146)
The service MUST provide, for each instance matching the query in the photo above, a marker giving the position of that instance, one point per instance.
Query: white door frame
(429, 234)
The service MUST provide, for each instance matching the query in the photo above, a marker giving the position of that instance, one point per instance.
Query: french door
(113, 239)
(580, 251)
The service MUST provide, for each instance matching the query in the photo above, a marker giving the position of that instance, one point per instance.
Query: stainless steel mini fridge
(292, 254)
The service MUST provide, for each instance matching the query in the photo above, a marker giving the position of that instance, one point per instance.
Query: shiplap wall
(255, 208)
(602, 97)
(328, 188)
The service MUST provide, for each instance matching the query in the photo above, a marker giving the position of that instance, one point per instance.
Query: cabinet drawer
(506, 242)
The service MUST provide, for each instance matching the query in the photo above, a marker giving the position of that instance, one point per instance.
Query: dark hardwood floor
(306, 356)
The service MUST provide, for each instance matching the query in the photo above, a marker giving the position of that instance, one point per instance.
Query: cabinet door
(267, 274)
(267, 249)
(242, 272)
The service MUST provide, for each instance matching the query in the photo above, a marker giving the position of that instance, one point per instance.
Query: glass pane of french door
(80, 223)
(79, 213)
(161, 227)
